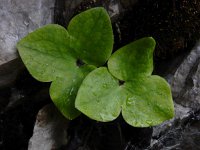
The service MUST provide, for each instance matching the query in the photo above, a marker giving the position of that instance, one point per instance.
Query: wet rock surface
(49, 130)
(26, 121)
(186, 81)
(19, 17)
(19, 105)
(182, 131)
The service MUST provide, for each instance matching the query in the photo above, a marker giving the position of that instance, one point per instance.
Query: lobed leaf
(133, 60)
(92, 36)
(52, 54)
(63, 91)
(99, 96)
(148, 102)
(144, 100)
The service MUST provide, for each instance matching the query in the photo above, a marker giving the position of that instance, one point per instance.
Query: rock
(19, 17)
(19, 105)
(9, 72)
(186, 80)
(182, 131)
(49, 131)
(183, 134)
(180, 114)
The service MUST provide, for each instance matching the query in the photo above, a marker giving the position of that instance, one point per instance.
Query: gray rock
(180, 114)
(49, 130)
(116, 8)
(182, 135)
(19, 17)
(182, 131)
(186, 80)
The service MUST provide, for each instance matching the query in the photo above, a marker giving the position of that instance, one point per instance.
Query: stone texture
(182, 135)
(19, 17)
(49, 130)
(186, 80)
(182, 131)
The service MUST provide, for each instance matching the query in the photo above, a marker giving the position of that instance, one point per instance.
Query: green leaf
(144, 100)
(63, 91)
(133, 60)
(46, 53)
(92, 32)
(148, 102)
(99, 96)
(52, 54)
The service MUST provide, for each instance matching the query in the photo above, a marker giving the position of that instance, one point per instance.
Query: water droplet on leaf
(130, 101)
(103, 117)
(105, 85)
(71, 91)
(149, 122)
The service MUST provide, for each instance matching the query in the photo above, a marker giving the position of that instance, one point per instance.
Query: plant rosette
(72, 60)
(65, 57)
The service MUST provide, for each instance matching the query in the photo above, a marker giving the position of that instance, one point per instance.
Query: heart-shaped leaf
(99, 96)
(148, 102)
(144, 100)
(92, 36)
(52, 53)
(133, 60)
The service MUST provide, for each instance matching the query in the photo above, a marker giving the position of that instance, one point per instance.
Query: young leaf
(145, 100)
(133, 60)
(92, 36)
(63, 91)
(99, 96)
(51, 53)
(148, 102)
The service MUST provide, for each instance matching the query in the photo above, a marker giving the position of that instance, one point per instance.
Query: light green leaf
(144, 100)
(133, 60)
(46, 53)
(92, 32)
(148, 102)
(99, 96)
(63, 91)
(52, 54)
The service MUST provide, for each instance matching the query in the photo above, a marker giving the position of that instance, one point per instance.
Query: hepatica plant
(73, 61)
